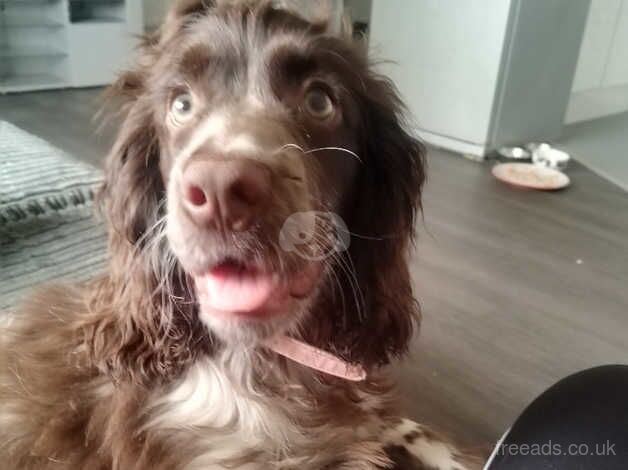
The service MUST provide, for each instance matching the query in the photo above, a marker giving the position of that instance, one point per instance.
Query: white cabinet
(480, 74)
(47, 44)
(601, 83)
(617, 69)
(596, 44)
(33, 45)
(445, 59)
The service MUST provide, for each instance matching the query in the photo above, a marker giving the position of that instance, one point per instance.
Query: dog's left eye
(182, 107)
(318, 103)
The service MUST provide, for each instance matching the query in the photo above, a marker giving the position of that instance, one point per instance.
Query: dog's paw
(412, 446)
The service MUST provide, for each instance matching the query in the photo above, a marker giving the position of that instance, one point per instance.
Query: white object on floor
(546, 155)
(527, 175)
(515, 153)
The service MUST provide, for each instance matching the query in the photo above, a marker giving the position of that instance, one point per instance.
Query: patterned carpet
(47, 228)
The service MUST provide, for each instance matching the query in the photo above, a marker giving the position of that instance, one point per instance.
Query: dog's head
(262, 182)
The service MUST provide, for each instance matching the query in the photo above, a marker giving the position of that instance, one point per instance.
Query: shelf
(48, 44)
(15, 3)
(28, 3)
(98, 20)
(96, 11)
(18, 52)
(30, 82)
(32, 25)
(84, 3)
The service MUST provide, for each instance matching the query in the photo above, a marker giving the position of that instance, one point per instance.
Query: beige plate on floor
(532, 176)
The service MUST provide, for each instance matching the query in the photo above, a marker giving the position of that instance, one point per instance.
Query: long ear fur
(376, 321)
(143, 326)
(133, 187)
(388, 202)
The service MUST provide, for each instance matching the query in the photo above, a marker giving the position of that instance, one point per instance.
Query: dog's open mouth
(235, 287)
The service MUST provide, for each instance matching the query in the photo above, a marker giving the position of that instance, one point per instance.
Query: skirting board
(450, 143)
(596, 103)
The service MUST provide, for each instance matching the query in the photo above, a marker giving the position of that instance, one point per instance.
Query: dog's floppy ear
(122, 339)
(375, 315)
(389, 190)
(133, 186)
(140, 332)
(132, 204)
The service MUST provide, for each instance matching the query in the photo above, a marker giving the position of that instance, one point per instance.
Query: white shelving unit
(47, 44)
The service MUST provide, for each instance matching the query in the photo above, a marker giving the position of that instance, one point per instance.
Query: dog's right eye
(318, 103)
(182, 107)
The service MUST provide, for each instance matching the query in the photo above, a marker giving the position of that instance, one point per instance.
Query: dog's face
(256, 125)
(264, 141)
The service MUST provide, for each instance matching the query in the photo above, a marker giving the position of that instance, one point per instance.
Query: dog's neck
(316, 358)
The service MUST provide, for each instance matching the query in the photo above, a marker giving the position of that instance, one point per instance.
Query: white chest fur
(227, 416)
(224, 419)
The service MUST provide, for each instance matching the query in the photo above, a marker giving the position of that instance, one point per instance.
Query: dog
(261, 199)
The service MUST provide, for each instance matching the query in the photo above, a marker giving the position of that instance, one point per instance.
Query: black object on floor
(581, 423)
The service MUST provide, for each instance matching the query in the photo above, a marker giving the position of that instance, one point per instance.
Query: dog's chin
(245, 303)
(237, 331)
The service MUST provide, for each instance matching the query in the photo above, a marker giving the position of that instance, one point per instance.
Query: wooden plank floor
(65, 118)
(518, 288)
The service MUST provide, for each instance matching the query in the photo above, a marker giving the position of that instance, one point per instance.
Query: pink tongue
(230, 288)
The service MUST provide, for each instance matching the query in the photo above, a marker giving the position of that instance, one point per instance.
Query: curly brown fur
(128, 371)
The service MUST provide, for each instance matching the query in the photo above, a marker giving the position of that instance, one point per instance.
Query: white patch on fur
(104, 390)
(432, 453)
(253, 99)
(9, 419)
(214, 127)
(217, 400)
(242, 144)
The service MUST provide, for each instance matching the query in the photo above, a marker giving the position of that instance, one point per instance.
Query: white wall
(617, 69)
(154, 11)
(596, 44)
(601, 82)
(360, 10)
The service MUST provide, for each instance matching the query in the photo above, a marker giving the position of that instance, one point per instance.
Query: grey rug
(47, 228)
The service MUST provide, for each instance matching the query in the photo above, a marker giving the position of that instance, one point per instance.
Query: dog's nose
(228, 194)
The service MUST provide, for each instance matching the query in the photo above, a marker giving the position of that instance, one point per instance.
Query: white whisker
(339, 149)
(321, 149)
